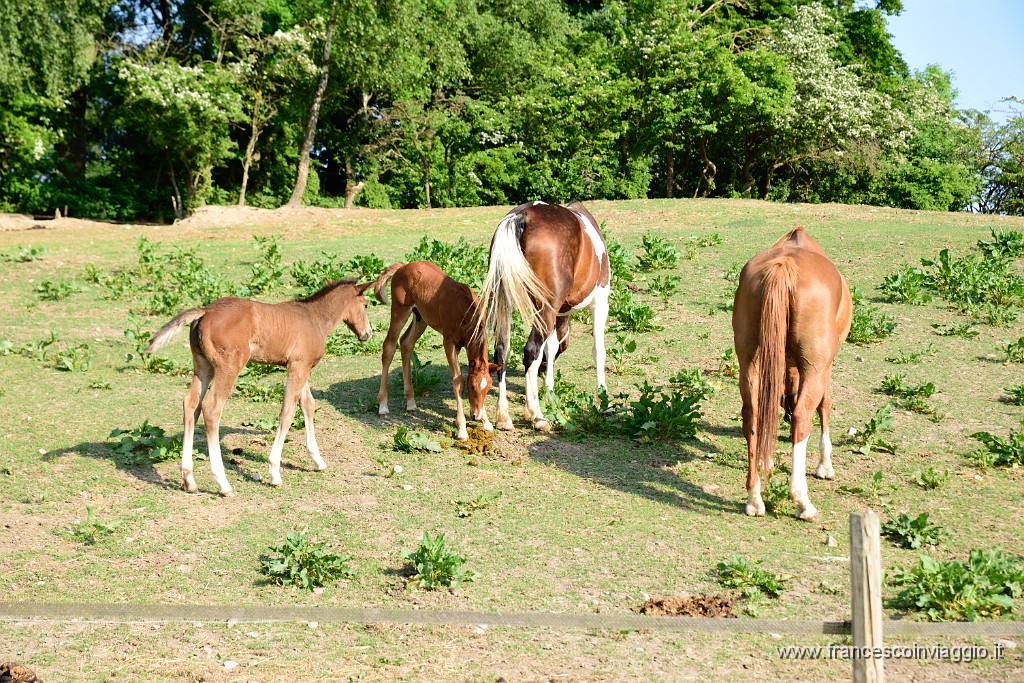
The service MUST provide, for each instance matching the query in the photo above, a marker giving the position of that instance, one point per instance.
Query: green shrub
(913, 397)
(56, 290)
(1015, 394)
(965, 330)
(92, 530)
(664, 286)
(749, 580)
(144, 445)
(267, 271)
(574, 410)
(913, 532)
(366, 267)
(931, 478)
(691, 381)
(867, 436)
(631, 315)
(305, 564)
(313, 275)
(974, 280)
(76, 358)
(618, 261)
(914, 357)
(659, 416)
(906, 286)
(466, 508)
(26, 254)
(658, 254)
(435, 565)
(868, 325)
(1008, 244)
(410, 441)
(1014, 350)
(985, 586)
(1000, 452)
(424, 377)
(624, 345)
(461, 261)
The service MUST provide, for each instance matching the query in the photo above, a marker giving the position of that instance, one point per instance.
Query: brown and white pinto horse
(230, 332)
(546, 262)
(791, 314)
(423, 290)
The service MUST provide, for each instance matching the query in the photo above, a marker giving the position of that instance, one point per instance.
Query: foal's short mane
(327, 289)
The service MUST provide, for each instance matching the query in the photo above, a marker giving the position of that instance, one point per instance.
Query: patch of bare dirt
(715, 605)
(12, 672)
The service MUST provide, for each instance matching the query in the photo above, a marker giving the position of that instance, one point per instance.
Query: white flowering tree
(185, 112)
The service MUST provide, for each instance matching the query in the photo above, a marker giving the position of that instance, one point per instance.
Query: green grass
(583, 523)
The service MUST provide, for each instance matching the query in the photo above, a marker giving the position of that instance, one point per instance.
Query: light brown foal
(230, 332)
(791, 314)
(421, 289)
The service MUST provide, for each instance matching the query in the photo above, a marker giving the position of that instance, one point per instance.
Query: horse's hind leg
(807, 400)
(824, 469)
(213, 407)
(399, 314)
(298, 376)
(192, 409)
(308, 408)
(408, 343)
(748, 392)
(599, 309)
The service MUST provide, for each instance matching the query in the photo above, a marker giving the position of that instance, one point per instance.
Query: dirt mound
(480, 441)
(11, 672)
(714, 605)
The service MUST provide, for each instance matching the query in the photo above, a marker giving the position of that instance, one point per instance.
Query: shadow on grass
(237, 461)
(638, 469)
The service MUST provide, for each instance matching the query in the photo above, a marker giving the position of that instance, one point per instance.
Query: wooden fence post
(866, 596)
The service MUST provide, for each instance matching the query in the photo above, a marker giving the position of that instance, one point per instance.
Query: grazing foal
(546, 262)
(230, 332)
(423, 290)
(791, 314)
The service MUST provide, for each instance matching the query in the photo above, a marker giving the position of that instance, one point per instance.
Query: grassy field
(580, 526)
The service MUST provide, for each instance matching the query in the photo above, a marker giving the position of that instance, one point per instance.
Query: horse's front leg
(308, 408)
(298, 376)
(452, 354)
(408, 344)
(533, 354)
(399, 314)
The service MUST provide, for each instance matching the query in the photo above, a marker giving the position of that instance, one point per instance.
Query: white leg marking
(755, 505)
(533, 411)
(217, 464)
(599, 309)
(311, 445)
(825, 470)
(798, 482)
(549, 350)
(504, 421)
(186, 460)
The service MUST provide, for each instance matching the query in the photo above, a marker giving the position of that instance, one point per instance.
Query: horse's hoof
(754, 511)
(191, 488)
(227, 494)
(463, 436)
(504, 425)
(487, 427)
(276, 484)
(808, 514)
(411, 407)
(823, 472)
(383, 410)
(542, 425)
(321, 466)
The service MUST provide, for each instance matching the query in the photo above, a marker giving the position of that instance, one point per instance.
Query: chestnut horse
(421, 289)
(230, 332)
(791, 314)
(546, 261)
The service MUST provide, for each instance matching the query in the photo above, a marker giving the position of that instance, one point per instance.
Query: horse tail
(380, 285)
(511, 285)
(778, 281)
(165, 333)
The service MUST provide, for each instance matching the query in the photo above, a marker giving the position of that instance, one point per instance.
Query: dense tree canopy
(130, 109)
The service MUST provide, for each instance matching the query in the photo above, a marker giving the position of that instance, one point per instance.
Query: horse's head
(354, 312)
(479, 378)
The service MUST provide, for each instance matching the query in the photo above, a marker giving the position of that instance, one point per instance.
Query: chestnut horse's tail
(778, 281)
(165, 333)
(511, 285)
(380, 285)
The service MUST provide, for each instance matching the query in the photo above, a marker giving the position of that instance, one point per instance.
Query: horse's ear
(361, 289)
(494, 368)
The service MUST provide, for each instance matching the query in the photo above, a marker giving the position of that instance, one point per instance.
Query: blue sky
(980, 41)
